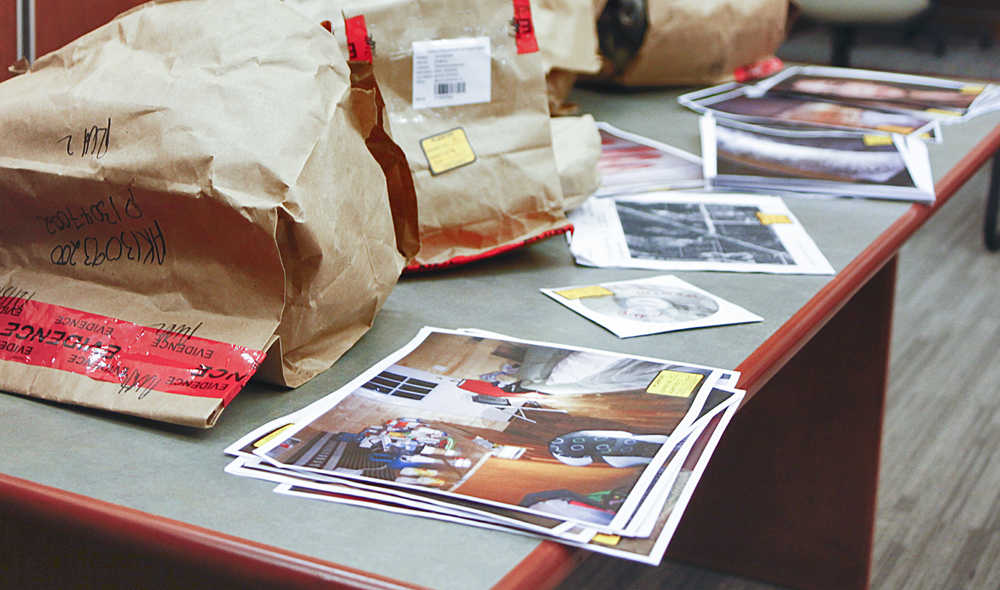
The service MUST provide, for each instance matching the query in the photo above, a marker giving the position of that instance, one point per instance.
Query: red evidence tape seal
(356, 32)
(758, 69)
(116, 351)
(460, 260)
(524, 28)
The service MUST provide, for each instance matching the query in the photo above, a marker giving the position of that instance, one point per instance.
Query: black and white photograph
(695, 231)
(652, 305)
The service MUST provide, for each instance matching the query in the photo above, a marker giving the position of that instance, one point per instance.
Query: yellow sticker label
(447, 151)
(269, 437)
(674, 383)
(972, 89)
(604, 539)
(873, 140)
(771, 218)
(943, 112)
(895, 129)
(581, 292)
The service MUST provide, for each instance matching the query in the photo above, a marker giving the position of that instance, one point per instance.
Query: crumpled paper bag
(480, 150)
(190, 186)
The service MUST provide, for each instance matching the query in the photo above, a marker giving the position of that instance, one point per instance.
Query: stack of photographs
(631, 163)
(593, 449)
(739, 156)
(846, 98)
(746, 103)
(938, 98)
(694, 231)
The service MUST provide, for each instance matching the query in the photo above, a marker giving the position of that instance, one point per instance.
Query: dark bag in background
(682, 42)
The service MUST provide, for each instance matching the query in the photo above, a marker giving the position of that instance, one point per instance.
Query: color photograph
(837, 158)
(575, 434)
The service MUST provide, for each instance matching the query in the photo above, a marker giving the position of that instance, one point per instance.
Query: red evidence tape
(758, 69)
(524, 28)
(459, 260)
(356, 32)
(138, 358)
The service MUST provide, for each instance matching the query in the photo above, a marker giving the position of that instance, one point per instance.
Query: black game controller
(614, 447)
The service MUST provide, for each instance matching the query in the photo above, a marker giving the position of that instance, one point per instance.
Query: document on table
(694, 231)
(741, 156)
(650, 306)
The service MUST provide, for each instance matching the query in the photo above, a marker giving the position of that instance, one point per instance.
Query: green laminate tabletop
(178, 472)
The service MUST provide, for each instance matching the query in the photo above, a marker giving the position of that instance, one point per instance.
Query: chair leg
(991, 234)
(843, 40)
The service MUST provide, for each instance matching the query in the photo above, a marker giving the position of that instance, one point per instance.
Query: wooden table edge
(210, 549)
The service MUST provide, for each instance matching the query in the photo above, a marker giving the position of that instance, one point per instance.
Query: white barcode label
(450, 88)
(450, 72)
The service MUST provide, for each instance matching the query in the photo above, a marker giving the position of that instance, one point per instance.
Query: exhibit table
(94, 499)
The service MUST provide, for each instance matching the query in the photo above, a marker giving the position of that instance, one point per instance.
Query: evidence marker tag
(447, 151)
(895, 129)
(674, 383)
(583, 292)
(606, 539)
(271, 436)
(942, 112)
(875, 140)
(772, 218)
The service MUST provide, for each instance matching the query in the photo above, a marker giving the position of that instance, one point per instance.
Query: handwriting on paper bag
(13, 298)
(146, 245)
(132, 379)
(96, 141)
(110, 211)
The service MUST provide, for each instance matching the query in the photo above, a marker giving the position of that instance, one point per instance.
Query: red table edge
(210, 549)
(549, 562)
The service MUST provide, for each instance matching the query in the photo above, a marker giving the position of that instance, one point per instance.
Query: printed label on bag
(583, 292)
(451, 72)
(772, 218)
(674, 383)
(137, 358)
(447, 151)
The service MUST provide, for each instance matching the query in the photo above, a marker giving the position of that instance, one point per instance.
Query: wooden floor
(938, 516)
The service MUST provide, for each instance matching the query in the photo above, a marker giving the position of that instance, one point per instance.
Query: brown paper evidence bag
(465, 90)
(183, 189)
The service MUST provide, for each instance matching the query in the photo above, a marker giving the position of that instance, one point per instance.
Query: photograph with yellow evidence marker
(545, 429)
